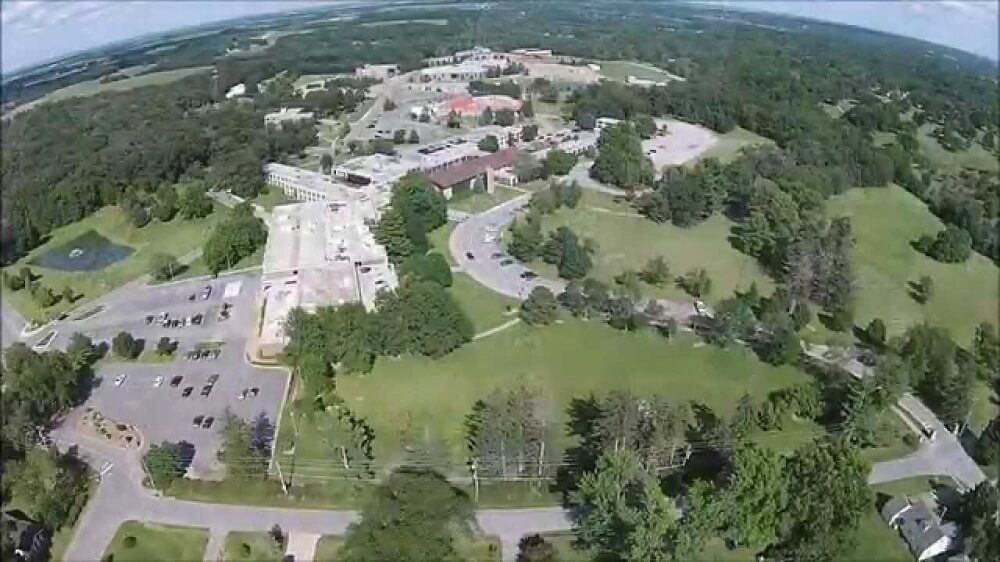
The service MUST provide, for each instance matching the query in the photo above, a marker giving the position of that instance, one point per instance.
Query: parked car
(157, 382)
(212, 379)
(528, 275)
(506, 262)
(198, 420)
(242, 395)
(206, 390)
(149, 319)
(206, 292)
(496, 255)
(120, 380)
(254, 392)
(176, 381)
(207, 423)
(470, 256)
(192, 296)
(187, 392)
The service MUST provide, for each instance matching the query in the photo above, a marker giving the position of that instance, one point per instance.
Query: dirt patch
(121, 435)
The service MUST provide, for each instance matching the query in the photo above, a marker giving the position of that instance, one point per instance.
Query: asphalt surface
(120, 497)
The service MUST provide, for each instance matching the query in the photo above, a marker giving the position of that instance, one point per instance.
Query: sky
(34, 31)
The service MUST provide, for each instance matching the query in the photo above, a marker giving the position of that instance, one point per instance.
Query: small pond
(87, 252)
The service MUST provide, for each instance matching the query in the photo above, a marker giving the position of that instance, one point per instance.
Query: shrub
(129, 542)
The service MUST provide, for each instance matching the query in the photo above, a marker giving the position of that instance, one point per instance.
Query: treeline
(127, 145)
(49, 486)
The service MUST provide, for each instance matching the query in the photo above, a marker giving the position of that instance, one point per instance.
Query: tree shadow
(583, 414)
(711, 443)
(186, 454)
(916, 292)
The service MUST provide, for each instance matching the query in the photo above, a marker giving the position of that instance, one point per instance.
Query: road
(120, 497)
(942, 455)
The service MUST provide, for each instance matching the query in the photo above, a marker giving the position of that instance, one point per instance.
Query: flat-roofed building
(377, 71)
(288, 115)
(306, 185)
(320, 253)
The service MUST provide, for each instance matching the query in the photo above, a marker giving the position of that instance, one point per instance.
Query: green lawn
(155, 543)
(272, 198)
(486, 308)
(877, 541)
(479, 202)
(177, 237)
(327, 547)
(975, 157)
(421, 396)
(909, 486)
(728, 145)
(251, 547)
(884, 222)
(984, 406)
(629, 242)
(197, 268)
(438, 239)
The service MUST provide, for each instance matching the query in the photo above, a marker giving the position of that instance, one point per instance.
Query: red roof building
(470, 169)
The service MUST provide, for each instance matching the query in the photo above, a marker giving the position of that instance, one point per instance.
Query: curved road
(121, 497)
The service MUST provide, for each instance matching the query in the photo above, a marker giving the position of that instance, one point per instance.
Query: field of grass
(975, 157)
(438, 240)
(728, 145)
(485, 308)
(877, 541)
(327, 547)
(419, 396)
(177, 237)
(620, 70)
(884, 222)
(478, 202)
(984, 406)
(92, 87)
(907, 486)
(156, 543)
(251, 547)
(197, 268)
(270, 199)
(629, 242)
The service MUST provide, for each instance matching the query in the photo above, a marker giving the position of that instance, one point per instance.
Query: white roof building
(318, 254)
(288, 115)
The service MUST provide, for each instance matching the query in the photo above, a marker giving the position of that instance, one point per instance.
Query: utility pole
(474, 469)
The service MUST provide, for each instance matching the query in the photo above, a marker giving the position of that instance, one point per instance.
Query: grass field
(478, 202)
(177, 237)
(975, 157)
(984, 406)
(327, 547)
(438, 240)
(485, 308)
(620, 70)
(728, 145)
(272, 198)
(197, 268)
(262, 548)
(156, 543)
(92, 87)
(876, 541)
(420, 396)
(625, 242)
(884, 222)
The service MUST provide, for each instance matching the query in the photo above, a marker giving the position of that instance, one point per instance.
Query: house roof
(916, 522)
(463, 171)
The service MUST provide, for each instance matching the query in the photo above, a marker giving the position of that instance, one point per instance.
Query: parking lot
(161, 411)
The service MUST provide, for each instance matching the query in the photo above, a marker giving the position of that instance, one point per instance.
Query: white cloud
(30, 16)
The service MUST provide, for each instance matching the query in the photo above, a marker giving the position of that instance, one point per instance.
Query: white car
(120, 380)
(700, 308)
(157, 382)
